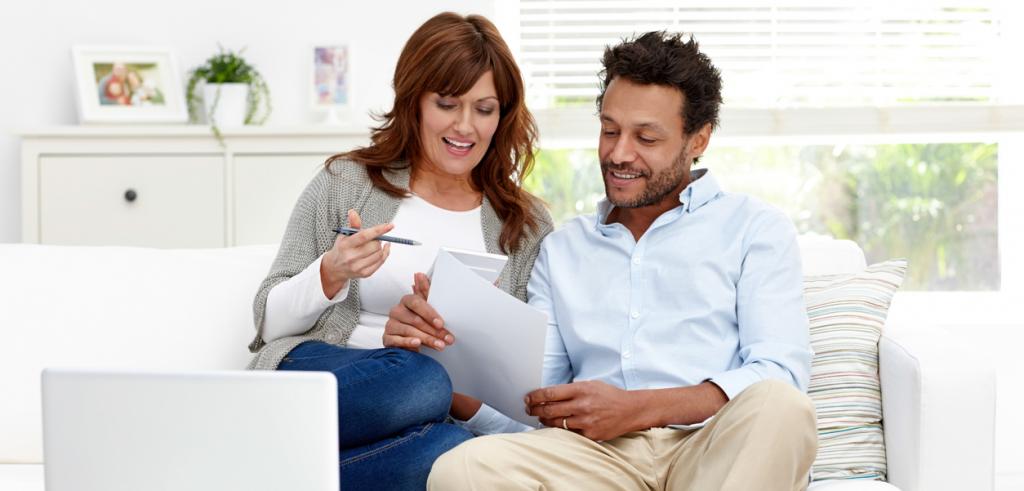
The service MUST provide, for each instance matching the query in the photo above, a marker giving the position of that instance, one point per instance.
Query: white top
(294, 305)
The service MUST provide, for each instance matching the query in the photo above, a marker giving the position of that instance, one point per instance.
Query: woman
(445, 168)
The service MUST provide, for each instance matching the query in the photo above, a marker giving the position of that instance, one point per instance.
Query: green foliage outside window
(569, 181)
(934, 204)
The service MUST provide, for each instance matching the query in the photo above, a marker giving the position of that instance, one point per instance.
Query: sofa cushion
(846, 315)
(116, 307)
(823, 255)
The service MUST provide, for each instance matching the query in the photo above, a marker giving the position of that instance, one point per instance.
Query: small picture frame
(128, 85)
(331, 79)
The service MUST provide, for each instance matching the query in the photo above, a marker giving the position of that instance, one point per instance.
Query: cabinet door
(266, 188)
(151, 201)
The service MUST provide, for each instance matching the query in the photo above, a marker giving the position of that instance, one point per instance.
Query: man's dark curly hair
(661, 58)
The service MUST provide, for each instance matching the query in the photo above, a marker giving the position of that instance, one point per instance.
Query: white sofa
(191, 309)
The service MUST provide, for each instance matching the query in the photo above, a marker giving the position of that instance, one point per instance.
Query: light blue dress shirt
(712, 291)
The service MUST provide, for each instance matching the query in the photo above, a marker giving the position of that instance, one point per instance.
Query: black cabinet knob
(130, 195)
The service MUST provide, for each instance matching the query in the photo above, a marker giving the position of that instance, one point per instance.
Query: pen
(385, 238)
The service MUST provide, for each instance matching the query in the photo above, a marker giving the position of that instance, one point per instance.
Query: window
(883, 197)
(782, 53)
(895, 124)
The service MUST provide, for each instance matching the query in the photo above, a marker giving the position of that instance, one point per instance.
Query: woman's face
(455, 132)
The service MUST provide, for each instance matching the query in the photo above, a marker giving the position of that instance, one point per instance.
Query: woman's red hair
(447, 55)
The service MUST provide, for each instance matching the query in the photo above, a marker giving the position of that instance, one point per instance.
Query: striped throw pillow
(847, 313)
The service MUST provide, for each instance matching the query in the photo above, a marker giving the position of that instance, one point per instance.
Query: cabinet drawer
(266, 189)
(152, 201)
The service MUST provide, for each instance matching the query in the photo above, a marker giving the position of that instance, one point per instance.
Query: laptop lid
(252, 430)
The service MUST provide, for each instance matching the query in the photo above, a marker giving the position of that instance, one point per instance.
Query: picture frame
(118, 84)
(331, 79)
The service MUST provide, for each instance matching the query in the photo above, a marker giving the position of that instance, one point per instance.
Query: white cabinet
(266, 187)
(172, 187)
(132, 200)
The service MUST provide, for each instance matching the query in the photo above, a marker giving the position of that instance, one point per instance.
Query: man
(678, 353)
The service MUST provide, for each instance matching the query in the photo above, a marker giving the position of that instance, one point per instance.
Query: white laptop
(196, 431)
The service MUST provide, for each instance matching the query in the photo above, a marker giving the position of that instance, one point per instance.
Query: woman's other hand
(414, 323)
(354, 256)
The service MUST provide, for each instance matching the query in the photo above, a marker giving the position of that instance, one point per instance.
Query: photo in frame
(128, 85)
(331, 71)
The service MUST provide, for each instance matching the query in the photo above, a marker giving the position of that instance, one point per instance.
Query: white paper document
(498, 355)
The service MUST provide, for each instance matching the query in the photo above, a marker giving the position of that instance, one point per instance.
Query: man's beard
(658, 186)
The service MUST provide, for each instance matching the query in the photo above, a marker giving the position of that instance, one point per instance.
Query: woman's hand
(414, 323)
(355, 256)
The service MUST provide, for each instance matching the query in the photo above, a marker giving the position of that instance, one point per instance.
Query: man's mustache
(609, 166)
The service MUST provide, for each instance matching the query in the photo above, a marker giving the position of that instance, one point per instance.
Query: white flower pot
(230, 104)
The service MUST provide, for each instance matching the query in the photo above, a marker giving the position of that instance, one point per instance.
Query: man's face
(645, 158)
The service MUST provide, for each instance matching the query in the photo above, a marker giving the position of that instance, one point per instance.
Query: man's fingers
(554, 393)
(558, 423)
(553, 410)
(550, 422)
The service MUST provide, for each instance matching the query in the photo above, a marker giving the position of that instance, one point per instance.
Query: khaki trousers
(763, 439)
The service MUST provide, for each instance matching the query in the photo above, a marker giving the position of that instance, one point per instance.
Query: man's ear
(699, 141)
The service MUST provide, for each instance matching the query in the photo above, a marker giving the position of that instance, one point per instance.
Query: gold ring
(565, 424)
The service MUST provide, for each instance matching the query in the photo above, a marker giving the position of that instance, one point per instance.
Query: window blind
(772, 54)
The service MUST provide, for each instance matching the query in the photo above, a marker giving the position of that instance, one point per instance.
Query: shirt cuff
(488, 421)
(294, 305)
(735, 381)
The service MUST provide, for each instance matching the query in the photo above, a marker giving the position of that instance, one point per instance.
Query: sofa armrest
(938, 410)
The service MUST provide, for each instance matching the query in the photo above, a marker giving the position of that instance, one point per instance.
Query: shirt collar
(702, 190)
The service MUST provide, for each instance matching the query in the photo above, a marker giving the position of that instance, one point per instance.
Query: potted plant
(233, 92)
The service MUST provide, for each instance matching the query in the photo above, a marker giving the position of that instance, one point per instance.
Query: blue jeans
(392, 405)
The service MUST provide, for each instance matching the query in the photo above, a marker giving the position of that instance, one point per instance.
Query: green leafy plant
(223, 68)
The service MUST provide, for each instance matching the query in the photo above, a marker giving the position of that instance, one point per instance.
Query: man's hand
(594, 409)
(414, 323)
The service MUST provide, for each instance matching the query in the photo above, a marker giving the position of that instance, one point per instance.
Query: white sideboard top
(190, 130)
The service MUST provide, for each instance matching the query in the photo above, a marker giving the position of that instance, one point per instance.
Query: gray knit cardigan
(324, 206)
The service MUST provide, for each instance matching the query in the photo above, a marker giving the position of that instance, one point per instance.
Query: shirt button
(627, 354)
(636, 261)
(635, 315)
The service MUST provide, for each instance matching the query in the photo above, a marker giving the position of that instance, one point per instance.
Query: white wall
(37, 88)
